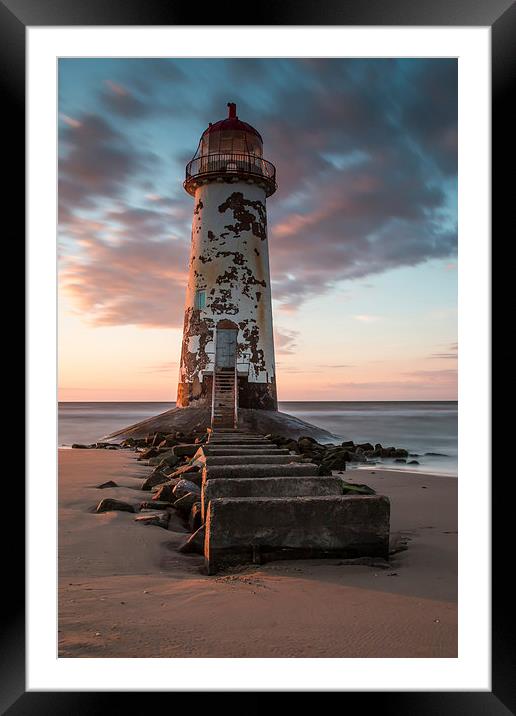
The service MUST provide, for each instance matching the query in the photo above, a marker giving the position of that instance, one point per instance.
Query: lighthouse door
(225, 352)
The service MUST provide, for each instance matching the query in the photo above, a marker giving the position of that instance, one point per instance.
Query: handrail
(235, 416)
(229, 164)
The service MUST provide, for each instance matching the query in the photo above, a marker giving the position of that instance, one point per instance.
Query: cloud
(414, 385)
(127, 282)
(366, 318)
(451, 354)
(167, 367)
(285, 341)
(97, 162)
(365, 152)
(340, 365)
(121, 101)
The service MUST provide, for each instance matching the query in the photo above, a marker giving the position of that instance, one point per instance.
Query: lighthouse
(227, 355)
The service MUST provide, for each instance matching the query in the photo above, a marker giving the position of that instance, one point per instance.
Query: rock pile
(178, 465)
(334, 457)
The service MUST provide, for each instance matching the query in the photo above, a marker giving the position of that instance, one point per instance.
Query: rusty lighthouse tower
(227, 356)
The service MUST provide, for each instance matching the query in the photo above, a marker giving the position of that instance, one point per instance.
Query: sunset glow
(362, 230)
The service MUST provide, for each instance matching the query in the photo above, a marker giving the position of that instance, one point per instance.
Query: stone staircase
(224, 403)
(261, 503)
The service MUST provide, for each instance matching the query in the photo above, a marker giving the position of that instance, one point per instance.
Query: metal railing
(228, 164)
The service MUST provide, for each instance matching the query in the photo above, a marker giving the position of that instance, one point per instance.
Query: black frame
(500, 15)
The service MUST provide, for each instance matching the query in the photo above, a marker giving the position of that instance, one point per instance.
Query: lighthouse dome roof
(231, 123)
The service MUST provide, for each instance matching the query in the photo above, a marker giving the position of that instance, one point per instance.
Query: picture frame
(500, 16)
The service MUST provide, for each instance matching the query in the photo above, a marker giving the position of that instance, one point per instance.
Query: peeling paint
(246, 220)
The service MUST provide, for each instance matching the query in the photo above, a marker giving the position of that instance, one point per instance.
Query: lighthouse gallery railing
(230, 163)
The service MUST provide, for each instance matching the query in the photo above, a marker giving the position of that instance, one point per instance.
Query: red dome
(231, 123)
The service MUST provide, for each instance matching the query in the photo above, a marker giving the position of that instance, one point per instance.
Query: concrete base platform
(214, 472)
(259, 529)
(269, 487)
(198, 418)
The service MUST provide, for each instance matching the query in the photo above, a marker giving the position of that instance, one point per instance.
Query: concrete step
(237, 431)
(242, 530)
(239, 441)
(243, 451)
(270, 487)
(270, 459)
(240, 444)
(214, 472)
(234, 432)
(238, 438)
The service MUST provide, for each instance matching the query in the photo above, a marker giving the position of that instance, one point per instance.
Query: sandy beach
(125, 591)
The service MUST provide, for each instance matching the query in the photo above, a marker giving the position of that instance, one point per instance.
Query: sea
(428, 429)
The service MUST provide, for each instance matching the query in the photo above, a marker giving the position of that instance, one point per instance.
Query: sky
(362, 230)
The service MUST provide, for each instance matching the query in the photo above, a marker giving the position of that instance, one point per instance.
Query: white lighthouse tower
(227, 357)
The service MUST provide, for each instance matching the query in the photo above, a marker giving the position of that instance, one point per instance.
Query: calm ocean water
(421, 427)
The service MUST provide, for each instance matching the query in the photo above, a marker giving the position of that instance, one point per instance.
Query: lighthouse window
(200, 299)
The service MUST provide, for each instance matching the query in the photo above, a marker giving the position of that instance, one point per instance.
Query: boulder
(307, 440)
(128, 442)
(110, 505)
(105, 446)
(348, 444)
(155, 478)
(165, 492)
(336, 459)
(194, 544)
(167, 443)
(413, 462)
(186, 470)
(183, 487)
(185, 450)
(400, 452)
(352, 489)
(324, 470)
(195, 518)
(148, 453)
(169, 459)
(291, 445)
(157, 439)
(158, 519)
(154, 505)
(164, 459)
(184, 504)
(365, 446)
(109, 483)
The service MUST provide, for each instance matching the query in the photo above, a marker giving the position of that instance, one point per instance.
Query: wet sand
(125, 591)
